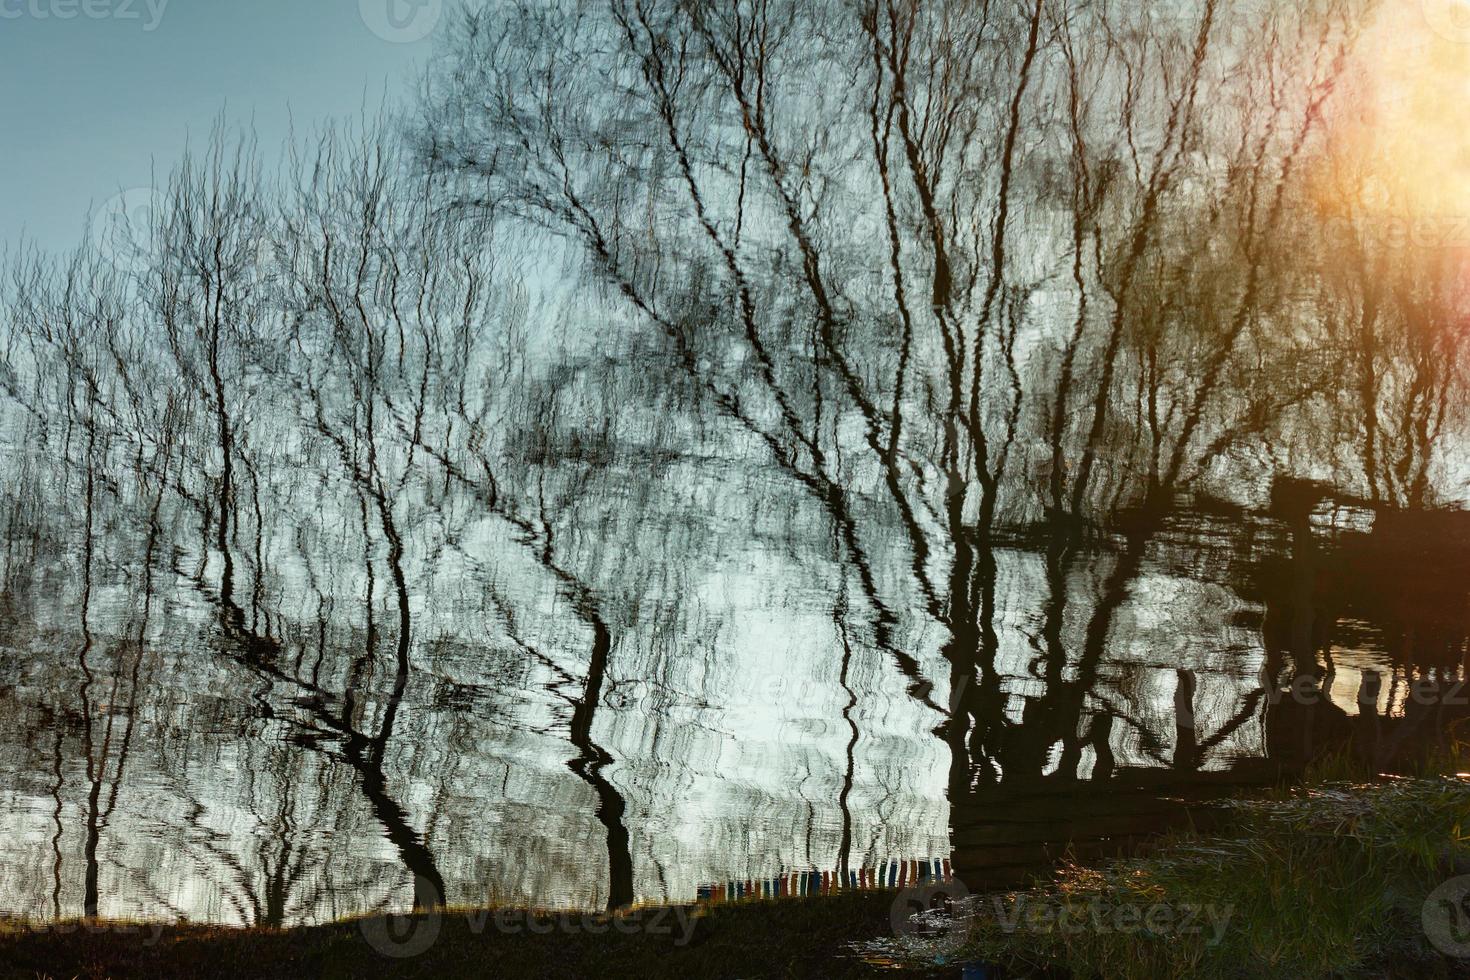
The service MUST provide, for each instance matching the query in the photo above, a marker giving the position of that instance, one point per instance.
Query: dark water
(289, 754)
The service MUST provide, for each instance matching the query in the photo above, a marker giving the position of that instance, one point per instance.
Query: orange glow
(1411, 137)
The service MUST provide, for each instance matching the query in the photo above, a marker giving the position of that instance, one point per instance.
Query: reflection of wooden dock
(892, 874)
(1006, 834)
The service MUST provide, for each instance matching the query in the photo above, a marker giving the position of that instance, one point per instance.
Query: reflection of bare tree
(536, 533)
(840, 220)
(396, 307)
(944, 312)
(206, 292)
(92, 337)
(76, 314)
(1402, 310)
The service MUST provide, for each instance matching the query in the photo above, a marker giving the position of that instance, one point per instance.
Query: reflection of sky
(731, 753)
(737, 769)
(97, 105)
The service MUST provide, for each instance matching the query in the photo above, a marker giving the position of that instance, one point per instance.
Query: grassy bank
(780, 938)
(1336, 880)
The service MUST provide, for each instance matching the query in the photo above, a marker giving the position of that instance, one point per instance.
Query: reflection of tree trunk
(90, 898)
(977, 703)
(56, 818)
(1071, 698)
(592, 758)
(1303, 600)
(961, 652)
(1368, 386)
(428, 890)
(1022, 751)
(1058, 565)
(1005, 828)
(1186, 737)
(844, 849)
(363, 754)
(222, 420)
(366, 755)
(1100, 737)
(282, 875)
(1370, 727)
(589, 765)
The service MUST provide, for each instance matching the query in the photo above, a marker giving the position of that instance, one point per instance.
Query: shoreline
(757, 937)
(1389, 860)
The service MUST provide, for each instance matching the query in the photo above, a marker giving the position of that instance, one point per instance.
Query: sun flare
(1411, 134)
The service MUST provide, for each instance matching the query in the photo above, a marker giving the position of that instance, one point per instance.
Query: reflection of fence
(893, 874)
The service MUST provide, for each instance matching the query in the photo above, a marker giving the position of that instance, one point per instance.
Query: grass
(1325, 881)
(779, 938)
